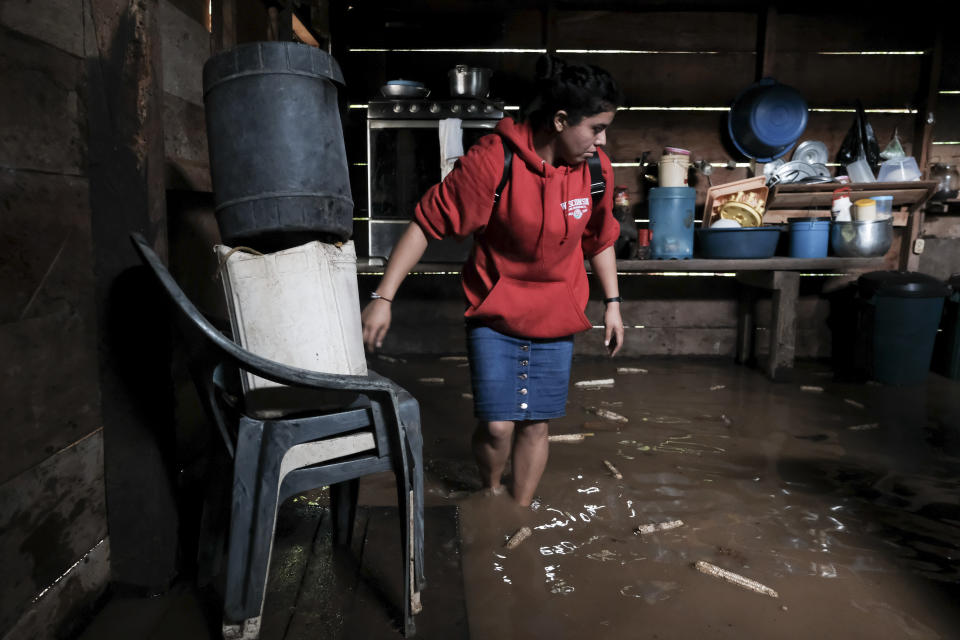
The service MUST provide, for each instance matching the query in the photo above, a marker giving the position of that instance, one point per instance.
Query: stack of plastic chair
(376, 429)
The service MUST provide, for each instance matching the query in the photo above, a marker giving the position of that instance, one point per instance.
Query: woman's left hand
(612, 328)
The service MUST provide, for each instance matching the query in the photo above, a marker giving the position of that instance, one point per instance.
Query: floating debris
(606, 414)
(658, 526)
(854, 403)
(518, 538)
(727, 421)
(811, 388)
(864, 427)
(387, 358)
(613, 470)
(734, 578)
(612, 403)
(568, 437)
(431, 380)
(605, 383)
(454, 358)
(631, 370)
(468, 396)
(717, 387)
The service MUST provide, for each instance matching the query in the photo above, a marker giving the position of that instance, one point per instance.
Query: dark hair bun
(579, 89)
(548, 68)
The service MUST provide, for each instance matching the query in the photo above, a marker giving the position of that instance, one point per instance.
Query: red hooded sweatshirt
(525, 275)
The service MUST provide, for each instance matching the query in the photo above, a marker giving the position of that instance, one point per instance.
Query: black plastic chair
(378, 429)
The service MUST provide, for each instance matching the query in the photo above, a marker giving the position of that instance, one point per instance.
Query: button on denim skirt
(518, 378)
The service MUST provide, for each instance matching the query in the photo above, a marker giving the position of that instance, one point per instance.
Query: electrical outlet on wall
(918, 246)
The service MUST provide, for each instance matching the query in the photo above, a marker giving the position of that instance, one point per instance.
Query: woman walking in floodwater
(524, 283)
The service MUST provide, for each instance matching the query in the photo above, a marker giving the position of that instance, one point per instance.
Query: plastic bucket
(277, 157)
(809, 237)
(671, 222)
(903, 314)
(946, 358)
(673, 170)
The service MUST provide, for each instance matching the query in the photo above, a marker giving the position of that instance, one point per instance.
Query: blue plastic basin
(766, 119)
(748, 242)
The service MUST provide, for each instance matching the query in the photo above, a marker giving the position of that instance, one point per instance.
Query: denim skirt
(518, 378)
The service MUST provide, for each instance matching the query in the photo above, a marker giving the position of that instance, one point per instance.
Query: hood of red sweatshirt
(520, 138)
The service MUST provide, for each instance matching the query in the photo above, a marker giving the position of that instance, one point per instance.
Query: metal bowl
(857, 239)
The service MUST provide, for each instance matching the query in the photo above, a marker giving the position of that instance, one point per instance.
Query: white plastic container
(899, 170)
(673, 170)
(860, 171)
(865, 210)
(299, 307)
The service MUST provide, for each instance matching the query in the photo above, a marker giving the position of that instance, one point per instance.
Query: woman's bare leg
(529, 459)
(491, 448)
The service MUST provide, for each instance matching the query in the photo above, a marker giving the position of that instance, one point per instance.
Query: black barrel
(277, 156)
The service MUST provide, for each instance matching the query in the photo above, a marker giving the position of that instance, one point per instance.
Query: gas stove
(427, 109)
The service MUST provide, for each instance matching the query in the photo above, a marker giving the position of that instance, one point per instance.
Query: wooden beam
(926, 110)
(223, 25)
(766, 42)
(301, 31)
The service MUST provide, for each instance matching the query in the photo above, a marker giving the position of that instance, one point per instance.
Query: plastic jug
(671, 222)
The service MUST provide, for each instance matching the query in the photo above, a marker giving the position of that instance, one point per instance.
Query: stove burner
(426, 109)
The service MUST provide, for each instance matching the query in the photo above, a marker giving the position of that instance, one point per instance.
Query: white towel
(451, 144)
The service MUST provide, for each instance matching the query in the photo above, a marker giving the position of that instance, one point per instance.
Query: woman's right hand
(375, 320)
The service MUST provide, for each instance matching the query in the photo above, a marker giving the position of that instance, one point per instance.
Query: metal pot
(467, 81)
(861, 239)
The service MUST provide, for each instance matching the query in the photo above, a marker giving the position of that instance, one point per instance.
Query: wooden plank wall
(670, 64)
(679, 70)
(52, 504)
(941, 232)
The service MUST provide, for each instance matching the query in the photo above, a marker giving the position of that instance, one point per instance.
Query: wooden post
(783, 318)
(127, 193)
(929, 84)
(746, 324)
(783, 323)
(223, 25)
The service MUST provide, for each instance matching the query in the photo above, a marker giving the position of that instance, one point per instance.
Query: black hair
(582, 90)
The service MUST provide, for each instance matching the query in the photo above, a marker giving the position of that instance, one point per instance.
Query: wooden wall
(52, 504)
(941, 232)
(679, 69)
(680, 61)
(85, 492)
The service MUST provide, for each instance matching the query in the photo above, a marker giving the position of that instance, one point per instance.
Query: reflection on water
(858, 529)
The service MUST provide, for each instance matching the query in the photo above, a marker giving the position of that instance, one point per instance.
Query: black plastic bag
(860, 142)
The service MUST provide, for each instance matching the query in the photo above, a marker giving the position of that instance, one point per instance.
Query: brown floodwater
(842, 498)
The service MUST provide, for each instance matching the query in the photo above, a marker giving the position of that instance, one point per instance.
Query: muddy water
(843, 500)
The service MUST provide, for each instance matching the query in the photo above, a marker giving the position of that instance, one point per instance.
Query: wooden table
(781, 276)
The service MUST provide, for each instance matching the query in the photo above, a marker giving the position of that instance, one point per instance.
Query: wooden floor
(315, 591)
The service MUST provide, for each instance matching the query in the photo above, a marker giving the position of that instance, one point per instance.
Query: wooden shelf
(831, 265)
(820, 196)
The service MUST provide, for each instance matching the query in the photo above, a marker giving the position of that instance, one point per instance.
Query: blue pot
(767, 119)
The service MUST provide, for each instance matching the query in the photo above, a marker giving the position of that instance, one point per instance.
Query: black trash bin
(900, 316)
(946, 356)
